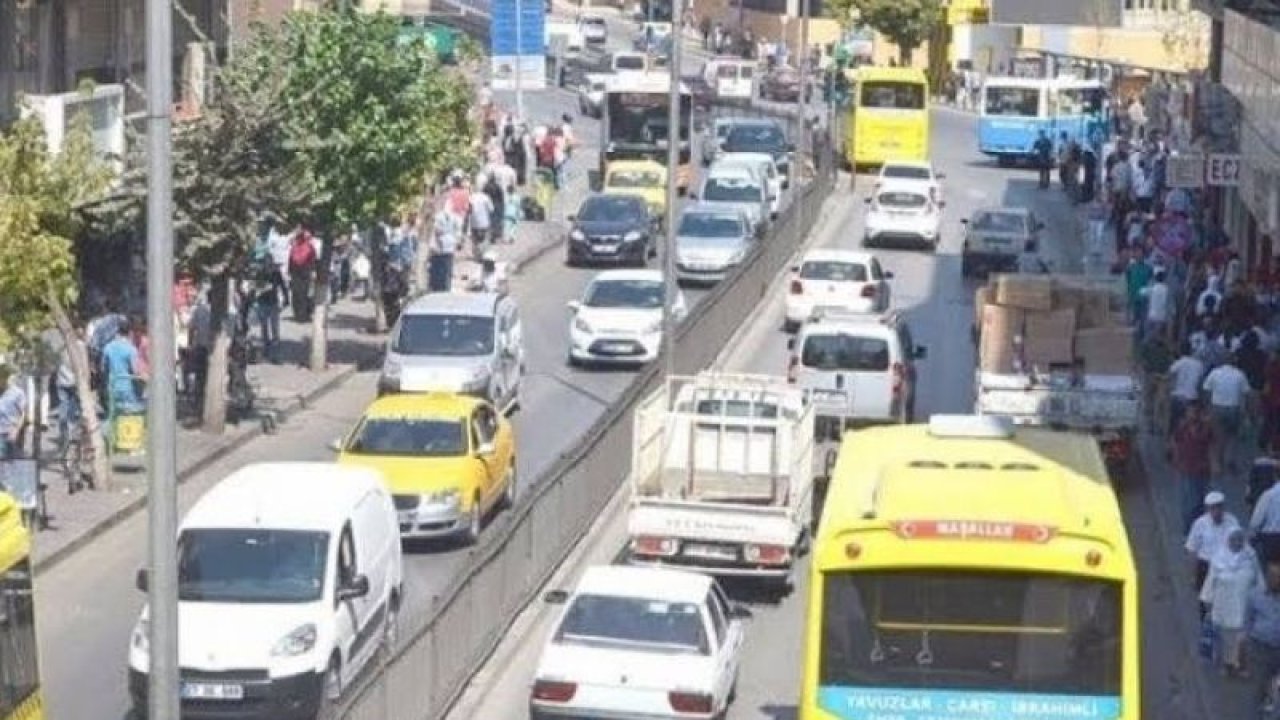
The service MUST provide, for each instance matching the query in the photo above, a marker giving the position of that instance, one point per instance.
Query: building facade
(1161, 35)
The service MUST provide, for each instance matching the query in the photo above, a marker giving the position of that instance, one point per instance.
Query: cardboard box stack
(1030, 323)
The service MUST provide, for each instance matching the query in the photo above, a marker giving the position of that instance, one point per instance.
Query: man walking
(1043, 151)
(13, 414)
(1187, 372)
(445, 239)
(1208, 536)
(1228, 390)
(1192, 449)
(1262, 627)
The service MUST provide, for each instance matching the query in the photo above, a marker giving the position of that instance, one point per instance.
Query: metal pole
(520, 61)
(673, 163)
(806, 140)
(162, 502)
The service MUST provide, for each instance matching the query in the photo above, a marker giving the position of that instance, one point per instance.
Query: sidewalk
(283, 390)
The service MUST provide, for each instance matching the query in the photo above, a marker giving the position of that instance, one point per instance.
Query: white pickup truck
(722, 475)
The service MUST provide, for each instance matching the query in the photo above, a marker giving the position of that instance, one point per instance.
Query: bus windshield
(1080, 101)
(887, 95)
(640, 118)
(940, 629)
(1012, 101)
(19, 675)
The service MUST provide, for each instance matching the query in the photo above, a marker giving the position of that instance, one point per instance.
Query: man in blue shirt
(13, 410)
(119, 368)
(1262, 625)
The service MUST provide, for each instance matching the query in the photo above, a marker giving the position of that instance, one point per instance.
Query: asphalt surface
(89, 603)
(938, 305)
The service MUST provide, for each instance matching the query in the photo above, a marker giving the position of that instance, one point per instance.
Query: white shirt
(1207, 537)
(1227, 386)
(1266, 514)
(278, 245)
(481, 210)
(1187, 372)
(1202, 302)
(1157, 295)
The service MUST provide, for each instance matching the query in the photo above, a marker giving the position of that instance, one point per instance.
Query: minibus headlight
(301, 640)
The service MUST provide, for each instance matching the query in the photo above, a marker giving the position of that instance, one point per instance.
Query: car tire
(330, 691)
(511, 489)
(475, 522)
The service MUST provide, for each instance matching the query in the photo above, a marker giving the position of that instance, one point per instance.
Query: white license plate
(406, 518)
(212, 691)
(714, 552)
(619, 347)
(605, 249)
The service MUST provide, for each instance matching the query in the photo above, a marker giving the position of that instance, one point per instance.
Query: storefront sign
(1222, 170)
(1185, 171)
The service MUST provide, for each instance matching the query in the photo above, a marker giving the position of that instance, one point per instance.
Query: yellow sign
(131, 432)
(968, 12)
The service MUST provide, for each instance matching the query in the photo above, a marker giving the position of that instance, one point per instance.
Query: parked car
(290, 581)
(782, 84)
(827, 279)
(618, 321)
(902, 215)
(640, 643)
(710, 241)
(762, 136)
(471, 343)
(612, 228)
(995, 237)
(910, 172)
(447, 460)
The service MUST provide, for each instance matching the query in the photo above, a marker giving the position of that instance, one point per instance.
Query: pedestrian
(1088, 187)
(1156, 297)
(1228, 390)
(302, 268)
(121, 372)
(65, 385)
(446, 237)
(1191, 452)
(1207, 535)
(265, 294)
(361, 269)
(481, 220)
(278, 245)
(1144, 187)
(1232, 576)
(13, 416)
(1187, 372)
(1262, 628)
(1043, 152)
(1137, 274)
(1064, 148)
(513, 152)
(1209, 301)
(199, 345)
(1269, 438)
(493, 188)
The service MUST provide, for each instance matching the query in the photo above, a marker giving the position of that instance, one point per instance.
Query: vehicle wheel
(391, 626)
(510, 488)
(330, 691)
(475, 521)
(573, 361)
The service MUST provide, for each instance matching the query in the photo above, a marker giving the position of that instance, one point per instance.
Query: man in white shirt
(1228, 389)
(481, 217)
(1210, 300)
(1208, 535)
(1186, 374)
(1157, 296)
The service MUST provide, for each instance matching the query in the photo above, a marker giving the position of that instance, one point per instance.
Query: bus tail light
(554, 691)
(653, 545)
(766, 554)
(689, 702)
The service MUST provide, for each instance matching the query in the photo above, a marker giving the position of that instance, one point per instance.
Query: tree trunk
(79, 354)
(377, 266)
(426, 219)
(320, 308)
(905, 53)
(214, 419)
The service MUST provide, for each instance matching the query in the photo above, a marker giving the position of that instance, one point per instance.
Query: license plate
(617, 347)
(605, 249)
(406, 517)
(212, 691)
(715, 552)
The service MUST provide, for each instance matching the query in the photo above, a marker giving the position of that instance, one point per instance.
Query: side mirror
(682, 191)
(555, 597)
(691, 195)
(141, 580)
(939, 176)
(795, 268)
(485, 448)
(866, 200)
(572, 218)
(888, 274)
(1039, 226)
(920, 353)
(791, 344)
(964, 221)
(574, 305)
(354, 590)
(335, 445)
(740, 612)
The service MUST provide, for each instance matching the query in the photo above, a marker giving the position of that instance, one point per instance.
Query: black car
(761, 136)
(612, 228)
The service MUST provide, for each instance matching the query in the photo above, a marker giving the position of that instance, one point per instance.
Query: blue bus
(1015, 110)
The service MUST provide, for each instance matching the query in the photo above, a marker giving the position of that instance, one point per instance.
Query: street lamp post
(520, 60)
(674, 100)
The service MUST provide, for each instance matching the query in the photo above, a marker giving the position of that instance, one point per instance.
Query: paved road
(89, 602)
(929, 290)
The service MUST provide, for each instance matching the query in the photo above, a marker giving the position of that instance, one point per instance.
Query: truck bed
(1097, 402)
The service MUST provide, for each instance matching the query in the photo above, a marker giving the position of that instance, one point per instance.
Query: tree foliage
(908, 23)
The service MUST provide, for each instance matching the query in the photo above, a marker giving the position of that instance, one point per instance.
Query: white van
(859, 369)
(765, 168)
(289, 583)
(730, 78)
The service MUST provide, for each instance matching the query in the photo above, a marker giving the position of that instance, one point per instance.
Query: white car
(902, 214)
(764, 166)
(836, 279)
(618, 321)
(640, 643)
(594, 29)
(911, 172)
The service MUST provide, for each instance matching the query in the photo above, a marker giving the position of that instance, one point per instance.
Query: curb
(295, 404)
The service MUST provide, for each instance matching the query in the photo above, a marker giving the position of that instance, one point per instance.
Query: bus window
(892, 95)
(972, 631)
(19, 676)
(1012, 101)
(1079, 101)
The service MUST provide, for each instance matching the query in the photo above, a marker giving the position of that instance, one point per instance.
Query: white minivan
(289, 583)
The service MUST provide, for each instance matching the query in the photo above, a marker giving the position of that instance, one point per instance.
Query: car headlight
(452, 496)
(581, 325)
(577, 235)
(299, 641)
(141, 639)
(633, 236)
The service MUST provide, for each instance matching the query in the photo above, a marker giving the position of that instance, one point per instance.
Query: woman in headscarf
(1233, 573)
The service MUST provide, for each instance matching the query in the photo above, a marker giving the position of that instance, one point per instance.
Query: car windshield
(901, 200)
(730, 189)
(1012, 101)
(845, 352)
(892, 95)
(905, 172)
(629, 62)
(635, 623)
(634, 179)
(409, 437)
(612, 209)
(642, 294)
(833, 271)
(594, 21)
(999, 223)
(710, 226)
(452, 335)
(236, 565)
(755, 138)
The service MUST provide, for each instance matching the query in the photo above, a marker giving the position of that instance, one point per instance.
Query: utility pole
(162, 499)
(806, 138)
(520, 61)
(675, 100)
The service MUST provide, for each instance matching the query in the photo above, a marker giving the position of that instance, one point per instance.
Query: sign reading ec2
(1222, 170)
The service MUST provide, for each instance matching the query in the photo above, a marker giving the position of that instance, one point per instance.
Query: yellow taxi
(448, 460)
(645, 179)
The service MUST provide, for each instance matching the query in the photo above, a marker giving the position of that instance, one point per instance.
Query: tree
(41, 194)
(370, 118)
(908, 23)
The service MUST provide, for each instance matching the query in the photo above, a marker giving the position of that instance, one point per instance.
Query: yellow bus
(888, 116)
(965, 569)
(19, 672)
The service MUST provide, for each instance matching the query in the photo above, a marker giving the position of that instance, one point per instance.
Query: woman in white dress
(1233, 572)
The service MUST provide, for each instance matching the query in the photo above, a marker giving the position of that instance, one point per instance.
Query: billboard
(518, 37)
(1089, 13)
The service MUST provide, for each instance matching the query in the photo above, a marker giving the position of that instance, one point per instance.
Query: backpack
(547, 151)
